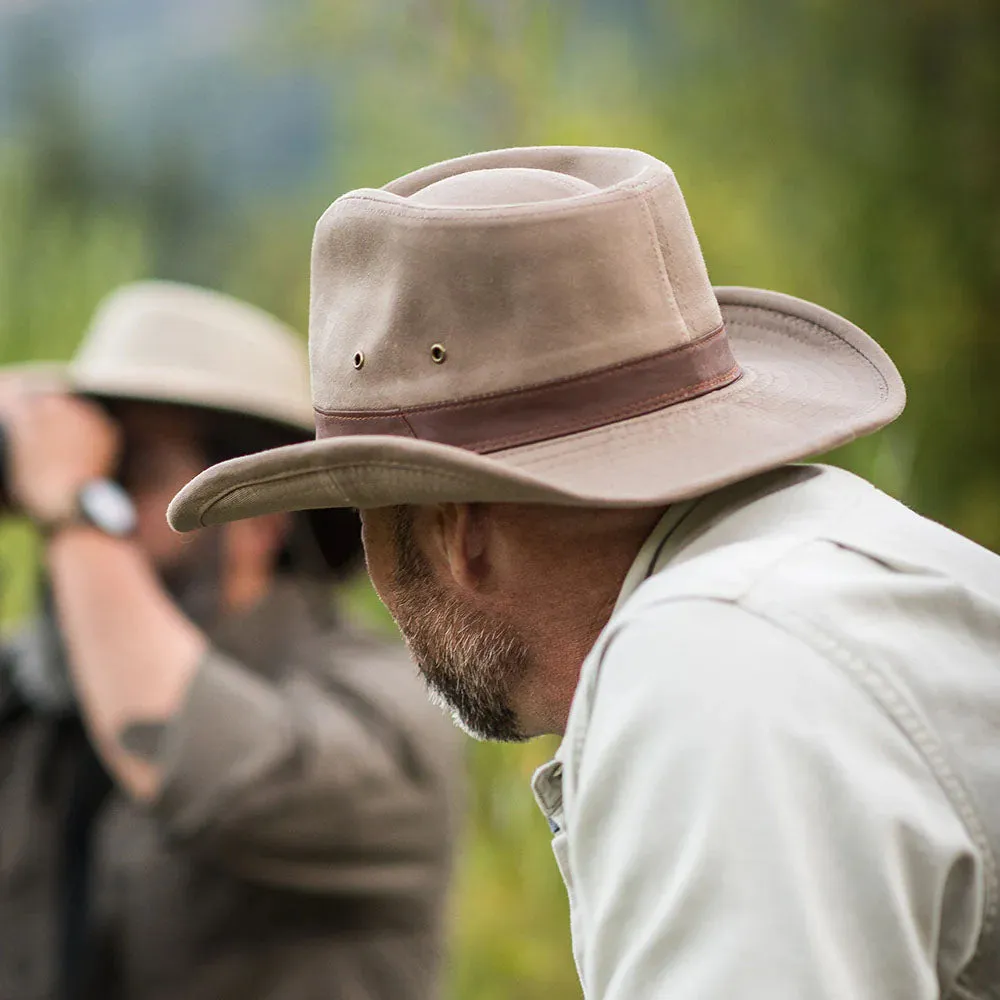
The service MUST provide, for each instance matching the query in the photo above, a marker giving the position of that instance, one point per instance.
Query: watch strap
(100, 504)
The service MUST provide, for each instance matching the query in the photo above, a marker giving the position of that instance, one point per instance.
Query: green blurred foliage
(57, 259)
(842, 151)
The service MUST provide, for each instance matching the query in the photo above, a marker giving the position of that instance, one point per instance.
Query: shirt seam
(922, 738)
(919, 735)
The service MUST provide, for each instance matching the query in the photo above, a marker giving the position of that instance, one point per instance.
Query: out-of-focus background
(847, 152)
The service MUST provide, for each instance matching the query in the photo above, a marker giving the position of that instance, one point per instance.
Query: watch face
(108, 507)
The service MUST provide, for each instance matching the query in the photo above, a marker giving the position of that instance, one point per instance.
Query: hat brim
(180, 388)
(37, 376)
(811, 381)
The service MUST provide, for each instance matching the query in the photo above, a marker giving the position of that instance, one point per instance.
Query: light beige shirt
(781, 772)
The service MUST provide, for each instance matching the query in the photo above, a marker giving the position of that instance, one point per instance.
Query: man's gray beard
(471, 662)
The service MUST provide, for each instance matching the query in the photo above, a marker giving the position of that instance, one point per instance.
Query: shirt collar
(683, 523)
(679, 528)
(657, 550)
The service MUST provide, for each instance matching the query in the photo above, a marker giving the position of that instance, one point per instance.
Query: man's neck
(575, 593)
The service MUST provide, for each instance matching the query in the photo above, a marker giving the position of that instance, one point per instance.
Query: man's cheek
(378, 558)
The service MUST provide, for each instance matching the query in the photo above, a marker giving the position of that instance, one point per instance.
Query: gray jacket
(299, 850)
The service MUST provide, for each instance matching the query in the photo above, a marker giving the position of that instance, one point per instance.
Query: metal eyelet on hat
(359, 359)
(438, 354)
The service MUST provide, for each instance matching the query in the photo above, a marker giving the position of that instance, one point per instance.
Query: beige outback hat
(537, 325)
(165, 342)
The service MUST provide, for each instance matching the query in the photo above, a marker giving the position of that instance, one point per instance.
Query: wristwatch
(104, 505)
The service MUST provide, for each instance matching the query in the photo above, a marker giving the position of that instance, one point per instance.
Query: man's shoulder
(344, 641)
(375, 672)
(810, 543)
(352, 654)
(791, 559)
(846, 579)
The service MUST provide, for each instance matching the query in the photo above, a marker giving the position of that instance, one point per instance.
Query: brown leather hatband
(553, 409)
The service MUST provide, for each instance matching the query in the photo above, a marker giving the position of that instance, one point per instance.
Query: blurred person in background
(211, 786)
(778, 688)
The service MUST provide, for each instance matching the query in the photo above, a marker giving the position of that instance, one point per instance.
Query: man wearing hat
(210, 786)
(778, 689)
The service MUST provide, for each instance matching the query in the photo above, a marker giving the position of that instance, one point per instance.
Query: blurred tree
(867, 142)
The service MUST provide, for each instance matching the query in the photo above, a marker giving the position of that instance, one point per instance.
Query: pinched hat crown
(509, 297)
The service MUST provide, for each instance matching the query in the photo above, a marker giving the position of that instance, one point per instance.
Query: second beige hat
(173, 343)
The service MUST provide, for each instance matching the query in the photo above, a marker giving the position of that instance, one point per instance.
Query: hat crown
(175, 343)
(501, 186)
(502, 271)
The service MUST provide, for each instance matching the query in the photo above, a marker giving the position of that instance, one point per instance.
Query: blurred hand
(56, 444)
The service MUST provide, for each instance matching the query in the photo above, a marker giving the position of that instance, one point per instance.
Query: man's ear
(463, 531)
